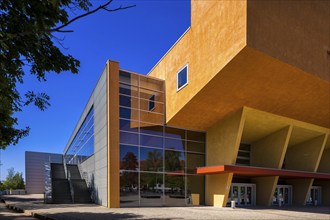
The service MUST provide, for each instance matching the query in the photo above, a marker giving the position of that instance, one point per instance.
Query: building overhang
(259, 81)
(260, 172)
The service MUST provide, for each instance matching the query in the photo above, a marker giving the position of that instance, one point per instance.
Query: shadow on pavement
(309, 209)
(99, 216)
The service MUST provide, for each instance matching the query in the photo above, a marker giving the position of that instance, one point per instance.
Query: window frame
(151, 101)
(177, 78)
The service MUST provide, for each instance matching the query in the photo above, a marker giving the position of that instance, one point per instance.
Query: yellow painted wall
(216, 35)
(223, 140)
(217, 189)
(324, 166)
(222, 143)
(300, 189)
(307, 155)
(113, 134)
(265, 188)
(270, 151)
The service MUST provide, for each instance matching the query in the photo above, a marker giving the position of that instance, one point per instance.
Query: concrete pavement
(7, 214)
(34, 204)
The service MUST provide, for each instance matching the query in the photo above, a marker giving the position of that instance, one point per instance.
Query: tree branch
(59, 28)
(104, 7)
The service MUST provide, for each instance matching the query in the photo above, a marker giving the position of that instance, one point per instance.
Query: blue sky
(137, 38)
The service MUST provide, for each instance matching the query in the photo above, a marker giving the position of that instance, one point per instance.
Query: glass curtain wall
(82, 146)
(157, 163)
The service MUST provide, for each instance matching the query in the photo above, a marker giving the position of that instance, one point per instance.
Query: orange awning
(260, 171)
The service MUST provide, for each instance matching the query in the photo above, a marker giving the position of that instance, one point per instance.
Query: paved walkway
(34, 204)
(6, 214)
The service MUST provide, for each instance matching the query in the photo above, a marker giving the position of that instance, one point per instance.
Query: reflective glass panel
(152, 84)
(151, 129)
(129, 157)
(151, 117)
(175, 161)
(175, 190)
(129, 138)
(128, 78)
(129, 113)
(127, 125)
(194, 161)
(146, 94)
(195, 185)
(151, 106)
(151, 189)
(151, 141)
(129, 189)
(128, 90)
(82, 145)
(195, 146)
(196, 136)
(175, 133)
(175, 144)
(151, 159)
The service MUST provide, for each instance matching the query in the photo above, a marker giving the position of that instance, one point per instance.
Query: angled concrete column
(265, 188)
(217, 189)
(306, 157)
(300, 189)
(269, 152)
(113, 134)
(222, 140)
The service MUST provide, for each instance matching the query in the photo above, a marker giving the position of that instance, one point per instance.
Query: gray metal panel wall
(94, 169)
(35, 170)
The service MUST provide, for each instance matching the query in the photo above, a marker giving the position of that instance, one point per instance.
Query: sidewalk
(6, 214)
(34, 204)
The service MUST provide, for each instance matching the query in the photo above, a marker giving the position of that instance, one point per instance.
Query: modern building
(237, 110)
(35, 174)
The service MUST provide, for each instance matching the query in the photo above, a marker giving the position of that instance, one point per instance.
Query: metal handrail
(65, 168)
(71, 186)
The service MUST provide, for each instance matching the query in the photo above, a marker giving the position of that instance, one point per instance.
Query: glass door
(314, 196)
(282, 195)
(243, 194)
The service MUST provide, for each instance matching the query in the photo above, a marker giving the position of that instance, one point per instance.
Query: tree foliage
(27, 40)
(14, 180)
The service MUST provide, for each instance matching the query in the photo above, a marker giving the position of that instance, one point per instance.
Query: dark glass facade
(157, 163)
(82, 145)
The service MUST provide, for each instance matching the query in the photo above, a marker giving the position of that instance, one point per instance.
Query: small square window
(151, 106)
(182, 78)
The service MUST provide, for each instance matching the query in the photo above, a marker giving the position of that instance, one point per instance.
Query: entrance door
(242, 193)
(283, 194)
(314, 196)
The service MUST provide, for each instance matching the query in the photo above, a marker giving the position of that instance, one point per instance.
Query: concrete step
(81, 192)
(61, 191)
(74, 171)
(57, 171)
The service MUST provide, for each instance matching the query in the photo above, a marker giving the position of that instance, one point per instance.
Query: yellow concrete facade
(223, 141)
(113, 134)
(274, 139)
(242, 92)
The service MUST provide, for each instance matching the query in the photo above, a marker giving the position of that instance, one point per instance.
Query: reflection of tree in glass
(154, 161)
(129, 181)
(172, 161)
(175, 184)
(129, 162)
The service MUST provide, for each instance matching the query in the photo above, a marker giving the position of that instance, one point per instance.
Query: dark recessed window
(182, 78)
(151, 106)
